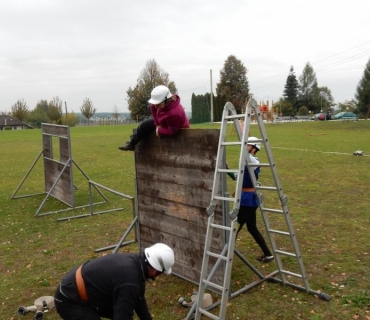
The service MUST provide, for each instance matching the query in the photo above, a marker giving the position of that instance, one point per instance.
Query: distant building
(9, 123)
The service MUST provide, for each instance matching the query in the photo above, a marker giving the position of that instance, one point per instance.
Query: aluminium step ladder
(226, 256)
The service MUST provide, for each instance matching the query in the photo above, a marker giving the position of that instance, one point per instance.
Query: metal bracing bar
(24, 179)
(111, 190)
(87, 177)
(87, 214)
(53, 186)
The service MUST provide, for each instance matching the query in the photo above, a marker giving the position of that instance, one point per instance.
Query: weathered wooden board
(63, 190)
(174, 177)
(55, 130)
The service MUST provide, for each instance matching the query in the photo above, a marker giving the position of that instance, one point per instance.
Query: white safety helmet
(159, 94)
(161, 257)
(253, 141)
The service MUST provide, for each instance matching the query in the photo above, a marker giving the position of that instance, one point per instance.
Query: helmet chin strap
(161, 263)
(165, 99)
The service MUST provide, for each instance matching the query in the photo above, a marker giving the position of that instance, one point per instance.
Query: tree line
(301, 96)
(50, 112)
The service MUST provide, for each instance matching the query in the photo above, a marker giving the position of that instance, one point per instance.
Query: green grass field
(327, 188)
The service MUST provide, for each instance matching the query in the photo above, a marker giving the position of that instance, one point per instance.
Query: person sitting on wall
(168, 117)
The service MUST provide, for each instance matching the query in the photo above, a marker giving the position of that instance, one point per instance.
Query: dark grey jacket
(115, 286)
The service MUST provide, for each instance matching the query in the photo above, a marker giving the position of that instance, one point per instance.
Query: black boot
(127, 147)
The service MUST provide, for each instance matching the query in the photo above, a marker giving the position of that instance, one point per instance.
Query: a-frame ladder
(226, 256)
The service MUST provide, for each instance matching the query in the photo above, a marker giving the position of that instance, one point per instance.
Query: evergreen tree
(363, 91)
(233, 85)
(291, 88)
(200, 108)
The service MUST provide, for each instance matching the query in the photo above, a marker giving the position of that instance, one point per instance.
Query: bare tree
(150, 77)
(115, 113)
(55, 110)
(87, 109)
(19, 110)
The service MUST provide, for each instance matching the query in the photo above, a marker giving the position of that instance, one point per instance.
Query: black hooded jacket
(115, 286)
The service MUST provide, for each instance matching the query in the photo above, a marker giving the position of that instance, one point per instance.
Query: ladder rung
(234, 116)
(284, 233)
(214, 285)
(285, 253)
(259, 165)
(215, 255)
(292, 274)
(223, 198)
(229, 170)
(231, 143)
(208, 314)
(273, 210)
(219, 226)
(266, 188)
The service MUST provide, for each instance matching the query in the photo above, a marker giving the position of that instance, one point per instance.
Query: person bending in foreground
(249, 202)
(112, 286)
(168, 117)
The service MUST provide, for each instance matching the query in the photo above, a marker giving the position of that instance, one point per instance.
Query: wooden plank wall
(63, 190)
(174, 177)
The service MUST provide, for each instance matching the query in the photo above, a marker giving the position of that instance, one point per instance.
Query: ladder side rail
(220, 155)
(266, 221)
(271, 238)
(227, 277)
(270, 157)
(261, 196)
(242, 162)
(296, 248)
(203, 274)
(284, 205)
(220, 161)
(235, 117)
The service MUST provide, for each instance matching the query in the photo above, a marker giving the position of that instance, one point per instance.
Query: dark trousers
(248, 216)
(143, 130)
(73, 310)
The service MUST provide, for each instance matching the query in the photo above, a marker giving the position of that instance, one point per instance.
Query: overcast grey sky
(97, 48)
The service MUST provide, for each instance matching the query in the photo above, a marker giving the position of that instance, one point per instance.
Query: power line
(345, 60)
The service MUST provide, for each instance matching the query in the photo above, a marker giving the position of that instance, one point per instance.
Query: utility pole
(211, 100)
(65, 103)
